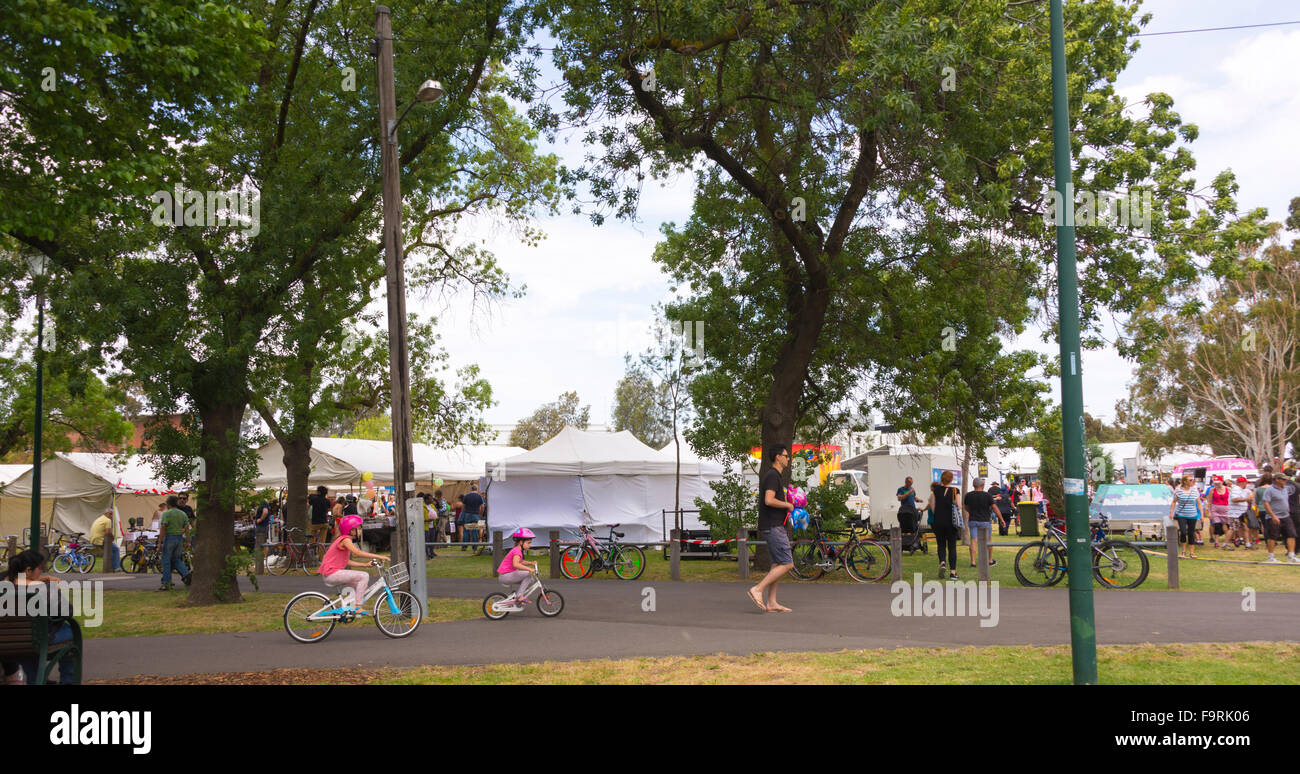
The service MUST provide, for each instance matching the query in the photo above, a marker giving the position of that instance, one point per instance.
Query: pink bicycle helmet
(349, 523)
(523, 533)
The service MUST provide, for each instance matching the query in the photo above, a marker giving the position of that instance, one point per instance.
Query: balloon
(796, 496)
(437, 482)
(367, 476)
(799, 518)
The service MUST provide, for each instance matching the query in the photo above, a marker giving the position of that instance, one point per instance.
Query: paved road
(605, 619)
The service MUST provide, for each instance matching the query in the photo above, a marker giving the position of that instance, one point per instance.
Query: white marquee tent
(81, 486)
(342, 461)
(613, 476)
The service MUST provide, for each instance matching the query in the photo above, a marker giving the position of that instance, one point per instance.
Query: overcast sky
(590, 290)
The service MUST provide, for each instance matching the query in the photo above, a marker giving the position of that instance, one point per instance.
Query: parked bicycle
(1116, 564)
(591, 554)
(311, 616)
(72, 554)
(498, 605)
(294, 554)
(865, 560)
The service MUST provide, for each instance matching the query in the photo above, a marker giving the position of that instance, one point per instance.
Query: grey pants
(516, 577)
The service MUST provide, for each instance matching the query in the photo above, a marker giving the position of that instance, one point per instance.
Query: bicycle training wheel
(550, 604)
(867, 562)
(62, 563)
(1119, 565)
(807, 558)
(299, 608)
(402, 622)
(489, 601)
(1038, 564)
(629, 562)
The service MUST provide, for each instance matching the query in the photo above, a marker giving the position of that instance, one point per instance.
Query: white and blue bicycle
(311, 616)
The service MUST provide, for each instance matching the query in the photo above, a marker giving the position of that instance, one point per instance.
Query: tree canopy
(548, 420)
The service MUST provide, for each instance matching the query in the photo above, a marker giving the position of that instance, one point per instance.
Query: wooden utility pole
(403, 462)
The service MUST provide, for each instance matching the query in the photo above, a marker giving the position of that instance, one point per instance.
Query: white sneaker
(1291, 558)
(1271, 560)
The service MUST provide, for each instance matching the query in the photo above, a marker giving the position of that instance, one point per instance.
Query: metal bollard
(555, 551)
(1171, 550)
(896, 553)
(497, 553)
(675, 555)
(742, 553)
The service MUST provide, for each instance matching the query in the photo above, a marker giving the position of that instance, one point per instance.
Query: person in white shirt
(1240, 502)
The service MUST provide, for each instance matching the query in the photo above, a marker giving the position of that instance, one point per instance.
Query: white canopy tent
(83, 485)
(342, 461)
(614, 477)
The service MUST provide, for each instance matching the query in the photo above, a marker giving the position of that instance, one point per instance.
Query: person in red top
(338, 557)
(1220, 521)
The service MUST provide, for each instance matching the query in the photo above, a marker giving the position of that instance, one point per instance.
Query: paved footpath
(605, 619)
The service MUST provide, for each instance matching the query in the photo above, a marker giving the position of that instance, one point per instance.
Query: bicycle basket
(396, 574)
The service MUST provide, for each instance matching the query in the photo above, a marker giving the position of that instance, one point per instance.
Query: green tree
(548, 420)
(281, 111)
(638, 408)
(732, 506)
(846, 155)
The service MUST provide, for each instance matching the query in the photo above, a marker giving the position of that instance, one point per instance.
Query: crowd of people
(1238, 514)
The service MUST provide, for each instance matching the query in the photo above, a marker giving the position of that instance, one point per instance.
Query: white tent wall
(540, 503)
(340, 462)
(887, 472)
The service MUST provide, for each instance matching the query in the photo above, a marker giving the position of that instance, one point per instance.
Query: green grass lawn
(144, 613)
(1193, 575)
(1197, 664)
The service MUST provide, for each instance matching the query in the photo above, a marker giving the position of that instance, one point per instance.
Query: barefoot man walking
(773, 513)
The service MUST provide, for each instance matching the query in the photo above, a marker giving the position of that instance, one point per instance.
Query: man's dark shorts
(778, 545)
(1284, 529)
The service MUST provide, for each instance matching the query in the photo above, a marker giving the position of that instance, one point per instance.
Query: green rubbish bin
(1028, 511)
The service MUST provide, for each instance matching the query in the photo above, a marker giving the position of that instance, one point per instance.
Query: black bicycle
(865, 560)
(1116, 564)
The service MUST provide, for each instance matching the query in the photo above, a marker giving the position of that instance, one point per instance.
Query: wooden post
(556, 550)
(982, 555)
(1171, 550)
(675, 555)
(259, 553)
(896, 553)
(742, 553)
(497, 553)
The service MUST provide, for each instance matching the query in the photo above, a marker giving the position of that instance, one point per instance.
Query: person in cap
(1241, 509)
(514, 570)
(338, 557)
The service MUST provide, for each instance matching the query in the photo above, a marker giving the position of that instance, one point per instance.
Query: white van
(859, 503)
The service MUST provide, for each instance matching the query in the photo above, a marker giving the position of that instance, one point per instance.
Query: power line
(1215, 29)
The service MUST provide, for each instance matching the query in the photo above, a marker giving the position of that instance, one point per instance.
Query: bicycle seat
(618, 534)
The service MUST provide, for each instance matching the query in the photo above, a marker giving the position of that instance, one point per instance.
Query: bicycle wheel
(550, 604)
(868, 562)
(807, 558)
(489, 601)
(1038, 564)
(576, 562)
(284, 560)
(402, 623)
(85, 562)
(315, 553)
(629, 562)
(62, 563)
(299, 608)
(1119, 564)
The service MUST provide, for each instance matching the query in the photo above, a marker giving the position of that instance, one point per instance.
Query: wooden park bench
(26, 637)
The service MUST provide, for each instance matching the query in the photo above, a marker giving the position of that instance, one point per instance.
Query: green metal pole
(36, 431)
(1083, 627)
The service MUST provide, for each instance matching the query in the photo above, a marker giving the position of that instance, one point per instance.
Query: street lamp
(39, 264)
(409, 520)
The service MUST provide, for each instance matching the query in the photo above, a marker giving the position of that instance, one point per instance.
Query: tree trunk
(215, 540)
(780, 411)
(297, 468)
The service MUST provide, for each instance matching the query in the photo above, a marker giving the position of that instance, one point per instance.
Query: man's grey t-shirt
(1278, 499)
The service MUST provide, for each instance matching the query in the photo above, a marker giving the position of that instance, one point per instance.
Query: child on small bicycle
(513, 568)
(338, 557)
